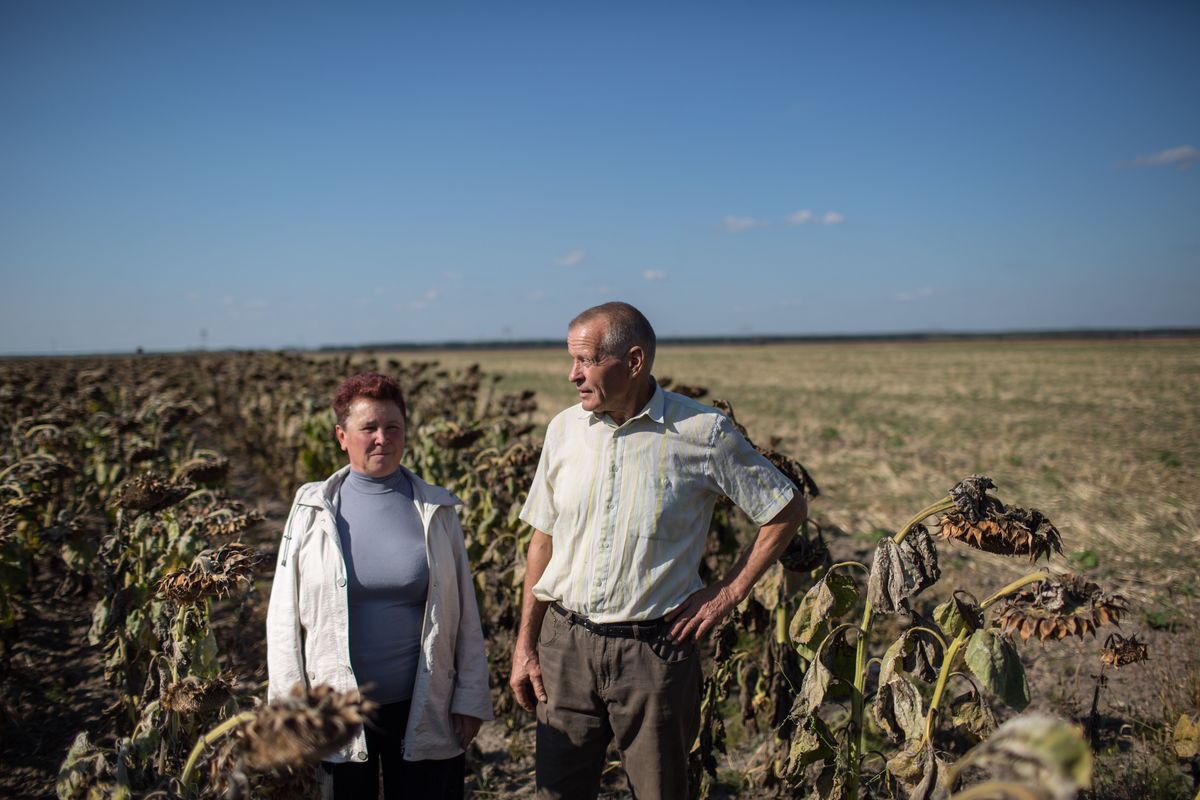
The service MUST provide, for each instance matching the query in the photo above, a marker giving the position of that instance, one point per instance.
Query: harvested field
(1101, 437)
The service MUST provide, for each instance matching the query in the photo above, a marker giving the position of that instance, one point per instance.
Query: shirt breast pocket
(661, 508)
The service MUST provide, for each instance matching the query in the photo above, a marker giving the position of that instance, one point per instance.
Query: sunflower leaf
(994, 660)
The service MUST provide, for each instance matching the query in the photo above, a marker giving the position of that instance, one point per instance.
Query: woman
(373, 592)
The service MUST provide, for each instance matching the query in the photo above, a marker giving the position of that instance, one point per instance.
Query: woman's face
(373, 436)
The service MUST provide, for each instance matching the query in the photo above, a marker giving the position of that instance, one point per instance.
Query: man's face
(373, 436)
(604, 382)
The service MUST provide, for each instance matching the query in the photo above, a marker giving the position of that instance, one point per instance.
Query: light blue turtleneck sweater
(387, 569)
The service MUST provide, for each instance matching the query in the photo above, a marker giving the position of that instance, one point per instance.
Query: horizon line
(1057, 334)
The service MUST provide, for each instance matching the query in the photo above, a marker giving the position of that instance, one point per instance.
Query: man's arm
(526, 677)
(705, 609)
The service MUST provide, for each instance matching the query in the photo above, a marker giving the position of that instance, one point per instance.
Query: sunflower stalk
(204, 741)
(959, 640)
(856, 742)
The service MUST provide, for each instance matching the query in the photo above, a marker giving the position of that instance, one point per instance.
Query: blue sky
(283, 174)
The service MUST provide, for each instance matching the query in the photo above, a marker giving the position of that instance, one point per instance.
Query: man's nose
(576, 374)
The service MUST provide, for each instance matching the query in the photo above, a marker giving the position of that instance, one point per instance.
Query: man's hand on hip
(526, 678)
(701, 612)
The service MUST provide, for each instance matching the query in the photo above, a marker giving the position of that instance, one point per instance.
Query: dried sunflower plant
(884, 726)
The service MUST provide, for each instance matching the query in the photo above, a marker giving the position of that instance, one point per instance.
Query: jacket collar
(323, 494)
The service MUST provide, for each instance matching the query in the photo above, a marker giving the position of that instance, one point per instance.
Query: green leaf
(840, 592)
(958, 615)
(994, 660)
(833, 596)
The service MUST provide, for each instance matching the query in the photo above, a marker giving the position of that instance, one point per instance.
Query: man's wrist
(737, 592)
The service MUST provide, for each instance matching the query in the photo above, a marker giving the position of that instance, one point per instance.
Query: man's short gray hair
(626, 327)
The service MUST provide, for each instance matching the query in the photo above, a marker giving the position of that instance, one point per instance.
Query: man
(613, 603)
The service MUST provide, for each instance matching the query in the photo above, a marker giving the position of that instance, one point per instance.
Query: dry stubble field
(1103, 437)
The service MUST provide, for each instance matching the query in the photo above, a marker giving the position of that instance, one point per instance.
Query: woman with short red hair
(373, 592)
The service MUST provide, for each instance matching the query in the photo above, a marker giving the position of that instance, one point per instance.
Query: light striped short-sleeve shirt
(629, 506)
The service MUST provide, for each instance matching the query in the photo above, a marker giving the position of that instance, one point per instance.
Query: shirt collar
(653, 410)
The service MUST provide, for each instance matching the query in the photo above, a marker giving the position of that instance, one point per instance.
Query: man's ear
(636, 359)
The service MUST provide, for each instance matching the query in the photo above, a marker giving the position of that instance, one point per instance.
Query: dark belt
(640, 629)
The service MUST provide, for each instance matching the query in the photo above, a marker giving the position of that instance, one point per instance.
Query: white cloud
(807, 217)
(536, 295)
(572, 259)
(423, 302)
(1182, 157)
(234, 305)
(738, 224)
(654, 275)
(917, 294)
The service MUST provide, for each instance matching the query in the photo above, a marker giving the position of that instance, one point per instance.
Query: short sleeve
(539, 510)
(745, 476)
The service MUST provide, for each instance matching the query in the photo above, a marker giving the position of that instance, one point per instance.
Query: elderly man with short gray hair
(613, 602)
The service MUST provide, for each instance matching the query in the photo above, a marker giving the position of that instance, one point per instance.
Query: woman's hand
(465, 728)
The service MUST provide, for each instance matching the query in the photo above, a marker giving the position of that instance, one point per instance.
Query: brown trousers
(644, 691)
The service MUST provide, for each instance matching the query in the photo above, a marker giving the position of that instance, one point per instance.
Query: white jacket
(308, 638)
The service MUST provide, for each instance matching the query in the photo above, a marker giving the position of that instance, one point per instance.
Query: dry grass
(1104, 437)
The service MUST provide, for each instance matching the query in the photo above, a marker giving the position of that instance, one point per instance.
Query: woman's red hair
(366, 384)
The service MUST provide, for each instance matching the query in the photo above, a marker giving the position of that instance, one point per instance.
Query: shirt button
(360, 755)
(341, 581)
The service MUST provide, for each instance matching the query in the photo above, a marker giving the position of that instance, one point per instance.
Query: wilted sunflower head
(229, 520)
(191, 695)
(148, 492)
(694, 392)
(971, 498)
(301, 729)
(794, 471)
(213, 573)
(1058, 607)
(457, 438)
(203, 469)
(1004, 531)
(806, 553)
(1120, 651)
